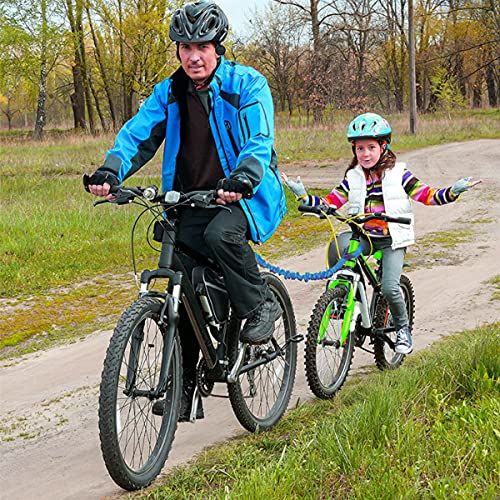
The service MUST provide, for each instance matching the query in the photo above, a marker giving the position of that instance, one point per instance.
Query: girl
(374, 182)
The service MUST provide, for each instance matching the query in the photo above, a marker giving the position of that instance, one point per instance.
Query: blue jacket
(242, 124)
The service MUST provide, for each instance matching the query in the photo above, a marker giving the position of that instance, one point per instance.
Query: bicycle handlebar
(323, 211)
(126, 194)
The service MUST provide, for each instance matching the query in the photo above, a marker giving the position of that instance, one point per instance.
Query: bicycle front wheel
(134, 442)
(327, 361)
(260, 396)
(385, 357)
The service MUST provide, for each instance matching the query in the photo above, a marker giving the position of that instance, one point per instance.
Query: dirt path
(48, 418)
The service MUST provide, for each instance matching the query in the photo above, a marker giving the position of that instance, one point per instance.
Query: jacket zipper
(228, 164)
(231, 137)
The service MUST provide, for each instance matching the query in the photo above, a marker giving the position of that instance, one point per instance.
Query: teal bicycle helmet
(369, 126)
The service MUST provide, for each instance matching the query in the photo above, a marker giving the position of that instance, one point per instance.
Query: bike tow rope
(322, 275)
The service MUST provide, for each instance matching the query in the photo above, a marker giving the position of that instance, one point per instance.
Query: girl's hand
(296, 187)
(463, 185)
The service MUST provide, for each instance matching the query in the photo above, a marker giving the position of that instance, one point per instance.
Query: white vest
(397, 203)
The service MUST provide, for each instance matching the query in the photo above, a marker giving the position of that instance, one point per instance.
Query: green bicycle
(344, 316)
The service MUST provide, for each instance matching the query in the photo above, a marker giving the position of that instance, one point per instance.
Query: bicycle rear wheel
(134, 442)
(385, 357)
(327, 362)
(260, 396)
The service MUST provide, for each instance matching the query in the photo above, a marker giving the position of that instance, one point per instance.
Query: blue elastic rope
(322, 275)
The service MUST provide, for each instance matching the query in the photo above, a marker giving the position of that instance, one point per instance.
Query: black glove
(99, 177)
(235, 186)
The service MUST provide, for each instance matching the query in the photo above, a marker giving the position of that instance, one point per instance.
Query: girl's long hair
(387, 161)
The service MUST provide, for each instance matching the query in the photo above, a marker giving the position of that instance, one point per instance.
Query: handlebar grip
(399, 220)
(405, 220)
(317, 209)
(309, 209)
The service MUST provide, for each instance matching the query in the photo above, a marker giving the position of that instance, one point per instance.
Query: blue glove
(463, 185)
(296, 187)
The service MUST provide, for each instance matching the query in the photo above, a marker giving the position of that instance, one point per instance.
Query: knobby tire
(327, 363)
(134, 442)
(260, 397)
(385, 357)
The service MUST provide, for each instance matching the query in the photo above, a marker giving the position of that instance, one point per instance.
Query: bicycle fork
(355, 298)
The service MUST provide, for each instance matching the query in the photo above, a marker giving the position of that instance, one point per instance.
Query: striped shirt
(374, 202)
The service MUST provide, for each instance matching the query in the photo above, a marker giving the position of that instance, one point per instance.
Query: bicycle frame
(179, 288)
(352, 276)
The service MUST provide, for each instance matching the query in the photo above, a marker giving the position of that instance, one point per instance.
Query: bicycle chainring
(205, 386)
(359, 333)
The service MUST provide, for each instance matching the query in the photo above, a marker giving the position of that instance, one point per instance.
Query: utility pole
(412, 74)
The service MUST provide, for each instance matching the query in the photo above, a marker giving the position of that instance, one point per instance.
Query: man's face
(198, 60)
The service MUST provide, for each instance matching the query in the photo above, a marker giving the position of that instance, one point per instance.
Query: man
(217, 119)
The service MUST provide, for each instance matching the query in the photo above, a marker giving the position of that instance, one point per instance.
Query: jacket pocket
(253, 121)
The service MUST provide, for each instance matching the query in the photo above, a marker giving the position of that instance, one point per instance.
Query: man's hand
(99, 183)
(233, 190)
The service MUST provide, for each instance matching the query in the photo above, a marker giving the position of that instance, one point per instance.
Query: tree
(276, 49)
(80, 98)
(35, 48)
(132, 49)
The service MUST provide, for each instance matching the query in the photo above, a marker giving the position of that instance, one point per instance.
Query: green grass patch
(65, 315)
(428, 430)
(437, 248)
(496, 284)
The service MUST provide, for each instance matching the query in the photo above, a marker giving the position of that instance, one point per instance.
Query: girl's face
(368, 152)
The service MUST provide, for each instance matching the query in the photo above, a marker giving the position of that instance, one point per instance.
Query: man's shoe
(259, 327)
(404, 342)
(186, 403)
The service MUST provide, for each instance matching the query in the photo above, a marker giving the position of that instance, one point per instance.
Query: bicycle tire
(327, 363)
(135, 443)
(260, 397)
(385, 357)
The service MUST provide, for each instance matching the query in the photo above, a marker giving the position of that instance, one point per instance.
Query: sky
(239, 11)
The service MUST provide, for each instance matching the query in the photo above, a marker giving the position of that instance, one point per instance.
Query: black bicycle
(143, 362)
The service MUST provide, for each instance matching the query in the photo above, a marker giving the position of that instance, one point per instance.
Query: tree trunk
(42, 87)
(78, 98)
(103, 72)
(490, 85)
(98, 106)
(42, 96)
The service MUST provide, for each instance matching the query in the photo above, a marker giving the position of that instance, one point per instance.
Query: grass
(56, 246)
(429, 430)
(496, 283)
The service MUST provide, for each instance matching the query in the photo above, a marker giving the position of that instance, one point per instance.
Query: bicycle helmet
(369, 126)
(197, 22)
